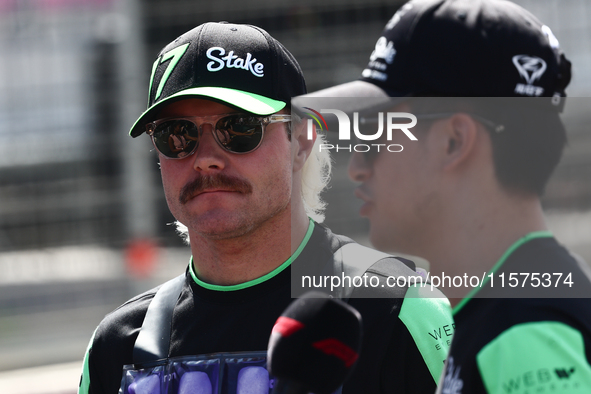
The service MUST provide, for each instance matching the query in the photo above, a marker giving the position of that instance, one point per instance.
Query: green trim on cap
(497, 266)
(430, 323)
(250, 102)
(263, 278)
(533, 358)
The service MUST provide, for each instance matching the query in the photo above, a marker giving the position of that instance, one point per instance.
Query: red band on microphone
(287, 326)
(332, 346)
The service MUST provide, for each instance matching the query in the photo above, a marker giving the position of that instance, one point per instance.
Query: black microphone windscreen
(315, 343)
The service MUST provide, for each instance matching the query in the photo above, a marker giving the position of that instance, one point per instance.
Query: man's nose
(209, 154)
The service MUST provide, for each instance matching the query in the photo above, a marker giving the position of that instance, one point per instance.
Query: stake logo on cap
(233, 61)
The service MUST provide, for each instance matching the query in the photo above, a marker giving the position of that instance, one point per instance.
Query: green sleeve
(427, 316)
(85, 379)
(537, 357)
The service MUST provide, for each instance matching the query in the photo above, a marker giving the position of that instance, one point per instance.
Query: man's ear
(301, 143)
(458, 140)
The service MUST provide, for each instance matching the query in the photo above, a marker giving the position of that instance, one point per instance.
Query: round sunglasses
(177, 138)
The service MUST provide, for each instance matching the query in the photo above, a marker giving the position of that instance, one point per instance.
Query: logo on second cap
(531, 68)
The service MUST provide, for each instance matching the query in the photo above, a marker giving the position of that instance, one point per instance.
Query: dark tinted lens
(176, 138)
(238, 133)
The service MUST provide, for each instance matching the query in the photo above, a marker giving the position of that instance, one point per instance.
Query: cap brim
(249, 102)
(368, 96)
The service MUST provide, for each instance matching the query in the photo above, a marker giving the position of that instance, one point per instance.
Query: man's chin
(224, 223)
(218, 228)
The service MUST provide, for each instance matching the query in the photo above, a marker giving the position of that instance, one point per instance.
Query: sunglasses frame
(213, 121)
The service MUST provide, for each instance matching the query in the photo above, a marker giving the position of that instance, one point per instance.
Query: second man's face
(399, 191)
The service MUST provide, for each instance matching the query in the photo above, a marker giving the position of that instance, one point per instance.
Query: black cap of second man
(462, 48)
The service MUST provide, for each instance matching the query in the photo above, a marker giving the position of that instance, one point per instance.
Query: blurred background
(83, 220)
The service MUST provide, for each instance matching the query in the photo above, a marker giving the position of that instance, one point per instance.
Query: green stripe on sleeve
(537, 357)
(429, 321)
(85, 380)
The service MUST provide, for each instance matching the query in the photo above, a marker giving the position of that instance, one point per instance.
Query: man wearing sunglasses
(486, 81)
(243, 181)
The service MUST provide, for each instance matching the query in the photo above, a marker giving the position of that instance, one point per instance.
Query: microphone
(314, 345)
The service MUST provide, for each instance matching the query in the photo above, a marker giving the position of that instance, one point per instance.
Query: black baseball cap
(462, 48)
(238, 65)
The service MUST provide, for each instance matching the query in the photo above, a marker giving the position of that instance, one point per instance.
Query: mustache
(208, 182)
